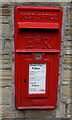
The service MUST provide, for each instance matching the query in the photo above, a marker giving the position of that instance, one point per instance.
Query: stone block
(6, 93)
(7, 48)
(68, 31)
(6, 57)
(67, 76)
(6, 72)
(8, 45)
(69, 111)
(20, 114)
(6, 66)
(68, 59)
(6, 9)
(66, 90)
(35, 114)
(6, 30)
(0, 30)
(5, 19)
(5, 52)
(68, 52)
(69, 15)
(60, 111)
(5, 62)
(68, 44)
(7, 111)
(6, 80)
(0, 18)
(1, 111)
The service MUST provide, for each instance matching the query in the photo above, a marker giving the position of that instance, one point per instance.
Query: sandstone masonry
(64, 105)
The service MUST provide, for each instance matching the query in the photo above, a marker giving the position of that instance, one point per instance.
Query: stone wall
(64, 105)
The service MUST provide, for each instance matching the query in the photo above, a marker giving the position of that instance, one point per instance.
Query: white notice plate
(37, 78)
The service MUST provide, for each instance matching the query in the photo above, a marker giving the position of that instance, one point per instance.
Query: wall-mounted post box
(37, 51)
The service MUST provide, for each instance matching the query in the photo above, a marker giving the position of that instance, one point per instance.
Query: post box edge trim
(37, 50)
(38, 8)
(38, 25)
(36, 107)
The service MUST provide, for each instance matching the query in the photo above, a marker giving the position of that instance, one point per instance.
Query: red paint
(38, 25)
(37, 29)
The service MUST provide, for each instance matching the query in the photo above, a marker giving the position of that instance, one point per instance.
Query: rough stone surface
(69, 15)
(35, 114)
(6, 19)
(6, 80)
(68, 44)
(69, 111)
(6, 73)
(60, 112)
(66, 89)
(7, 111)
(33, 1)
(68, 59)
(65, 77)
(6, 11)
(6, 93)
(68, 31)
(6, 57)
(6, 30)
(0, 111)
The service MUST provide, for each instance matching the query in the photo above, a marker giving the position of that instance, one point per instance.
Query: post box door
(35, 83)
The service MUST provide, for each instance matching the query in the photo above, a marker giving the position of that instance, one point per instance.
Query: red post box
(37, 51)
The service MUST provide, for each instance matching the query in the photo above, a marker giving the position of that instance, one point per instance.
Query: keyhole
(24, 80)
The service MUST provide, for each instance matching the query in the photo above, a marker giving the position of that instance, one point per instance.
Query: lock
(38, 55)
(24, 80)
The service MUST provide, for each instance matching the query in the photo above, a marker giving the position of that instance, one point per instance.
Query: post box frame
(19, 51)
